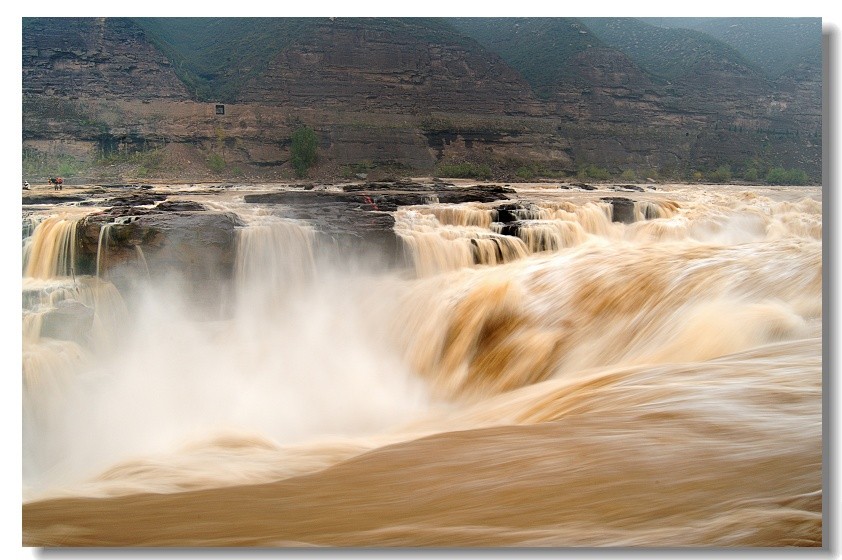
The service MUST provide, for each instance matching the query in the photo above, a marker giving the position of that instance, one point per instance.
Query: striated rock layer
(398, 99)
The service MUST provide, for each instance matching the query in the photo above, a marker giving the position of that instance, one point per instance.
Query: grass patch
(593, 172)
(302, 150)
(781, 176)
(628, 175)
(216, 163)
(36, 164)
(526, 172)
(722, 174)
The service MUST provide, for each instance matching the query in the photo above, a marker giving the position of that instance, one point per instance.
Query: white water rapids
(574, 382)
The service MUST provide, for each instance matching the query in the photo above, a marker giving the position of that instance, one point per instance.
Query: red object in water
(369, 201)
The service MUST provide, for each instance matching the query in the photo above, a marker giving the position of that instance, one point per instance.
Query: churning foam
(657, 382)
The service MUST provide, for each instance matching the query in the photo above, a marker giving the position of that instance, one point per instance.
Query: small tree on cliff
(303, 150)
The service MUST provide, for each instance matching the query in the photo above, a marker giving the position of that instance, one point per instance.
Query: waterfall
(542, 376)
(275, 258)
(461, 215)
(436, 248)
(102, 248)
(550, 235)
(446, 238)
(487, 331)
(52, 250)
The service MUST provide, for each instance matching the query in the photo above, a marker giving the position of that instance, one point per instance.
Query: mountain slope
(544, 94)
(214, 55)
(73, 57)
(218, 57)
(382, 64)
(671, 54)
(542, 49)
(775, 45)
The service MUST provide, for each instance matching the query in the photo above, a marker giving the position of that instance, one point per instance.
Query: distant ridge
(775, 45)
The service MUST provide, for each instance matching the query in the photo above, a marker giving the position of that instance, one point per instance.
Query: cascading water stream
(52, 250)
(546, 377)
(444, 238)
(167, 380)
(274, 258)
(102, 249)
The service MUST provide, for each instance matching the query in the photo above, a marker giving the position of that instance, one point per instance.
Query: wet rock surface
(193, 247)
(30, 199)
(387, 196)
(142, 233)
(622, 209)
(627, 188)
(512, 212)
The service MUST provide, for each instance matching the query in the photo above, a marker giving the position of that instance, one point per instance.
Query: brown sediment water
(574, 382)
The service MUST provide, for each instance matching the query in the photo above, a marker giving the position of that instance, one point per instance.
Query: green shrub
(751, 174)
(628, 175)
(593, 172)
(796, 177)
(525, 173)
(216, 163)
(776, 176)
(721, 175)
(781, 176)
(464, 171)
(303, 150)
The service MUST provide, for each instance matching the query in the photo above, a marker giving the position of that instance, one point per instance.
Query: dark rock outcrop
(622, 209)
(513, 212)
(47, 199)
(196, 250)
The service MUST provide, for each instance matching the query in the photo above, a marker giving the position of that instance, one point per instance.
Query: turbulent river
(578, 381)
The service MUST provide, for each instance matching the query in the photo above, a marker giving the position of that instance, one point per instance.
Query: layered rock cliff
(95, 57)
(362, 66)
(401, 96)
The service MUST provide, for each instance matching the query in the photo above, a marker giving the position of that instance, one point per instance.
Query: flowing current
(571, 381)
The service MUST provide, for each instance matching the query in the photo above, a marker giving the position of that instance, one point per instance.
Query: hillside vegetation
(539, 48)
(214, 56)
(775, 45)
(665, 53)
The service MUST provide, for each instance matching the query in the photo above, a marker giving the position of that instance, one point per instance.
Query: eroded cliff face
(97, 58)
(344, 65)
(722, 114)
(380, 97)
